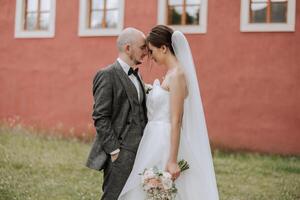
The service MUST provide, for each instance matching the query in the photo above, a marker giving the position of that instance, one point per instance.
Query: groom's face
(138, 50)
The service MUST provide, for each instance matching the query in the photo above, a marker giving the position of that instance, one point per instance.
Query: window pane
(45, 5)
(32, 5)
(193, 2)
(192, 15)
(44, 21)
(278, 12)
(279, 0)
(97, 4)
(112, 19)
(259, 12)
(258, 6)
(31, 20)
(112, 4)
(174, 15)
(175, 2)
(96, 19)
(259, 1)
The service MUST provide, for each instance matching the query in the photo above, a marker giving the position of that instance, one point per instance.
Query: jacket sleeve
(102, 113)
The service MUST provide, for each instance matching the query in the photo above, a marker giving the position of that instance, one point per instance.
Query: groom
(119, 113)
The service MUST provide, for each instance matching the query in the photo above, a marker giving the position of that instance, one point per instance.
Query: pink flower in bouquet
(154, 183)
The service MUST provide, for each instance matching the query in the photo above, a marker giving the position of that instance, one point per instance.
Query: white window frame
(83, 29)
(193, 29)
(245, 26)
(20, 32)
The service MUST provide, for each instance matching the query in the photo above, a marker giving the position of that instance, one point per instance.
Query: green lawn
(46, 168)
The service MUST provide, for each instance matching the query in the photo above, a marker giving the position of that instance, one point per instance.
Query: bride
(176, 126)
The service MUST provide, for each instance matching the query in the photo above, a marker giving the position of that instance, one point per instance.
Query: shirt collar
(124, 65)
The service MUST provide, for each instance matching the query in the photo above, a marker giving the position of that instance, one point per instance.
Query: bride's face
(155, 53)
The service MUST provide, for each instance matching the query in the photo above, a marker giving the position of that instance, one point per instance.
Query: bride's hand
(173, 169)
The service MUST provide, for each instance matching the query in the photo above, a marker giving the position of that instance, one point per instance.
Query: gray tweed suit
(119, 118)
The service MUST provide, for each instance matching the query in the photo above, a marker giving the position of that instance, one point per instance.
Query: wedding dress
(198, 182)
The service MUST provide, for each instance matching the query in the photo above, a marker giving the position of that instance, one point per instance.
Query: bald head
(128, 36)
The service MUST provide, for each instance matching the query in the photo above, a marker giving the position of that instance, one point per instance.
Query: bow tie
(133, 71)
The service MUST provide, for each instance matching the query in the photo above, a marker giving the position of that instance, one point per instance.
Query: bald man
(119, 113)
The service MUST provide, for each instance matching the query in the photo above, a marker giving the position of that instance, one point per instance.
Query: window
(189, 16)
(34, 18)
(101, 17)
(268, 15)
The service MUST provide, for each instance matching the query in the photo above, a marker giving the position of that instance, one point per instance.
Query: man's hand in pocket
(114, 157)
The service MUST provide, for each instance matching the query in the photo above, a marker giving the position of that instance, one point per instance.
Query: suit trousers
(116, 174)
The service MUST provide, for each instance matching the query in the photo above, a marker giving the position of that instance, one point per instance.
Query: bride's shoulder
(178, 81)
(178, 75)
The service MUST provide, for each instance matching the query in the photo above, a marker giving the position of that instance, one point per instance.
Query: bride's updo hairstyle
(161, 35)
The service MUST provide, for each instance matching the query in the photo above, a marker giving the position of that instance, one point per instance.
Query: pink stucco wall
(250, 82)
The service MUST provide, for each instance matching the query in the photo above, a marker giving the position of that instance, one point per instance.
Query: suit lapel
(143, 87)
(127, 84)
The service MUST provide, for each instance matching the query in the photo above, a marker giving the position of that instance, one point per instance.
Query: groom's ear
(127, 48)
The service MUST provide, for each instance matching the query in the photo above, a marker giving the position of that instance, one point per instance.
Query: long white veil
(194, 128)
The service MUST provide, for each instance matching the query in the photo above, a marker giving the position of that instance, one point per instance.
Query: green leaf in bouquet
(183, 165)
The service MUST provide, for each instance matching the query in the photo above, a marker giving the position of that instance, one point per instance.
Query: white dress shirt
(133, 79)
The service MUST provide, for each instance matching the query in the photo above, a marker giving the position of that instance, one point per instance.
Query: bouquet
(158, 184)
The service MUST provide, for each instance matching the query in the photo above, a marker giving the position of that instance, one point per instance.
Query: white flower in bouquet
(148, 174)
(167, 183)
(167, 175)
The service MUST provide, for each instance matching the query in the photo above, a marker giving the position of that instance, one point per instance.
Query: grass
(36, 167)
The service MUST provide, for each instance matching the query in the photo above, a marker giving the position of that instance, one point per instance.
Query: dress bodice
(158, 103)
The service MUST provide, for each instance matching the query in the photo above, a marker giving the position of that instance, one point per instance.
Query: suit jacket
(115, 114)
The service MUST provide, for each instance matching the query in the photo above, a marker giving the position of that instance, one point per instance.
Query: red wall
(250, 82)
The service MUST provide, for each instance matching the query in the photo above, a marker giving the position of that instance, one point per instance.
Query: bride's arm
(178, 91)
